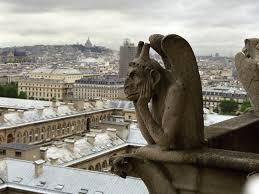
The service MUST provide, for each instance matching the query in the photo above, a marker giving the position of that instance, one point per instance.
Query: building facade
(67, 75)
(214, 95)
(20, 151)
(43, 89)
(99, 88)
(127, 54)
(44, 125)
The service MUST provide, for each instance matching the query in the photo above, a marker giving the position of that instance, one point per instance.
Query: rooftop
(82, 150)
(24, 104)
(18, 174)
(101, 81)
(224, 89)
(56, 71)
(41, 111)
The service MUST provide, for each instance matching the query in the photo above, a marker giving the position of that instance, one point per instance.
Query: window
(83, 191)
(2, 152)
(18, 154)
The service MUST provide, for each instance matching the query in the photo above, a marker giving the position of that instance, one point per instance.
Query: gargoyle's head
(140, 70)
(251, 49)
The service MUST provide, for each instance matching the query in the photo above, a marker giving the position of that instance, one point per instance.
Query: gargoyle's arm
(165, 135)
(143, 128)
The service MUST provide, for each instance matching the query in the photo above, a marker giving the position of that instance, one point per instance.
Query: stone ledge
(230, 125)
(206, 157)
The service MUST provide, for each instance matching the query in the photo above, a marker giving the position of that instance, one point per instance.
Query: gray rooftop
(20, 175)
(23, 104)
(83, 150)
(56, 71)
(41, 111)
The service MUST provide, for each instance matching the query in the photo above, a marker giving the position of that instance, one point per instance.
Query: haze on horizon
(210, 26)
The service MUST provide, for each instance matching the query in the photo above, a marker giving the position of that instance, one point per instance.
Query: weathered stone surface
(239, 134)
(206, 171)
(175, 119)
(176, 159)
(248, 72)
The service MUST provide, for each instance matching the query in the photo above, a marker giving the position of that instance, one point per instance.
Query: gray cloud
(210, 26)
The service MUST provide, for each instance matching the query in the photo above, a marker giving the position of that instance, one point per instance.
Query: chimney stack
(11, 110)
(71, 106)
(111, 132)
(211, 109)
(2, 120)
(43, 153)
(80, 105)
(40, 111)
(70, 144)
(90, 138)
(54, 104)
(53, 160)
(20, 113)
(38, 167)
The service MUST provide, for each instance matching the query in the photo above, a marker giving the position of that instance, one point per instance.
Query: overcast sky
(209, 25)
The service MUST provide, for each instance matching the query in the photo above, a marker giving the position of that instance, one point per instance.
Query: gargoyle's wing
(156, 43)
(184, 67)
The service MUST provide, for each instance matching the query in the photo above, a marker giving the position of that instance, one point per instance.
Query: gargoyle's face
(133, 83)
(251, 49)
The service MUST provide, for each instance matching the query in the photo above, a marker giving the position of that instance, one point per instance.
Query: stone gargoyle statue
(247, 64)
(174, 121)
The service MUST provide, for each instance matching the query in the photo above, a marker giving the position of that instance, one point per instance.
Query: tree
(228, 107)
(245, 106)
(22, 95)
(9, 90)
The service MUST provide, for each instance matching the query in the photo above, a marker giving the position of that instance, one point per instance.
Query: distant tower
(88, 43)
(217, 55)
(127, 54)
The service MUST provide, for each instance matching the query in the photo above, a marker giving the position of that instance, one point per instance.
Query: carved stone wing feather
(184, 67)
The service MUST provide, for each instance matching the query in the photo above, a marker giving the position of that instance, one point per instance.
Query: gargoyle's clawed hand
(121, 166)
(145, 94)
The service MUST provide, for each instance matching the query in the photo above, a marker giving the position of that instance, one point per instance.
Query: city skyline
(209, 26)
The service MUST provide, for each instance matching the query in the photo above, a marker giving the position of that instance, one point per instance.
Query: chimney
(90, 138)
(211, 109)
(2, 120)
(80, 105)
(43, 153)
(54, 104)
(111, 132)
(40, 111)
(38, 167)
(70, 144)
(53, 160)
(71, 106)
(11, 110)
(20, 113)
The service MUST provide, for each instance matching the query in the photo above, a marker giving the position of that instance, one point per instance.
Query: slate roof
(46, 70)
(54, 179)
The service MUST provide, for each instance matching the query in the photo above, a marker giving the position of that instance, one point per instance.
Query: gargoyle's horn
(140, 46)
(145, 52)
